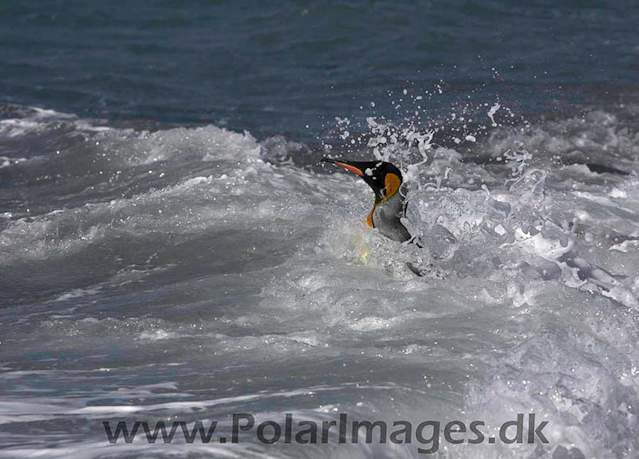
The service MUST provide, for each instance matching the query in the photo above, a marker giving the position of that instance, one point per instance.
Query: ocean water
(171, 248)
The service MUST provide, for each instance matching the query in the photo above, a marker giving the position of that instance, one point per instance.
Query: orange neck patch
(369, 219)
(392, 183)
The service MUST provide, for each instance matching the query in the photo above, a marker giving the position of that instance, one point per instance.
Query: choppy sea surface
(171, 248)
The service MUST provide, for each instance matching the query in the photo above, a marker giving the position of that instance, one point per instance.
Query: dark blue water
(275, 67)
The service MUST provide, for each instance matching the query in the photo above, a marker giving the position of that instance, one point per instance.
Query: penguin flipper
(415, 269)
(429, 271)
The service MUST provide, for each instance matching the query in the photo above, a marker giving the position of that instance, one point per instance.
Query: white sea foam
(196, 272)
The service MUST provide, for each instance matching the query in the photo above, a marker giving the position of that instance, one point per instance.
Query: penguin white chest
(386, 218)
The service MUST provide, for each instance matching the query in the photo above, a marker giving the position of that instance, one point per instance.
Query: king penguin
(390, 206)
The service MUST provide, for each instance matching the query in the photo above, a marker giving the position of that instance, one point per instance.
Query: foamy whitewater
(191, 273)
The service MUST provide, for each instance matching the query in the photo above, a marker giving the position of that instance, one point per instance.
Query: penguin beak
(345, 164)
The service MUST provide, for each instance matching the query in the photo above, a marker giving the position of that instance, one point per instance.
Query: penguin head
(384, 178)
